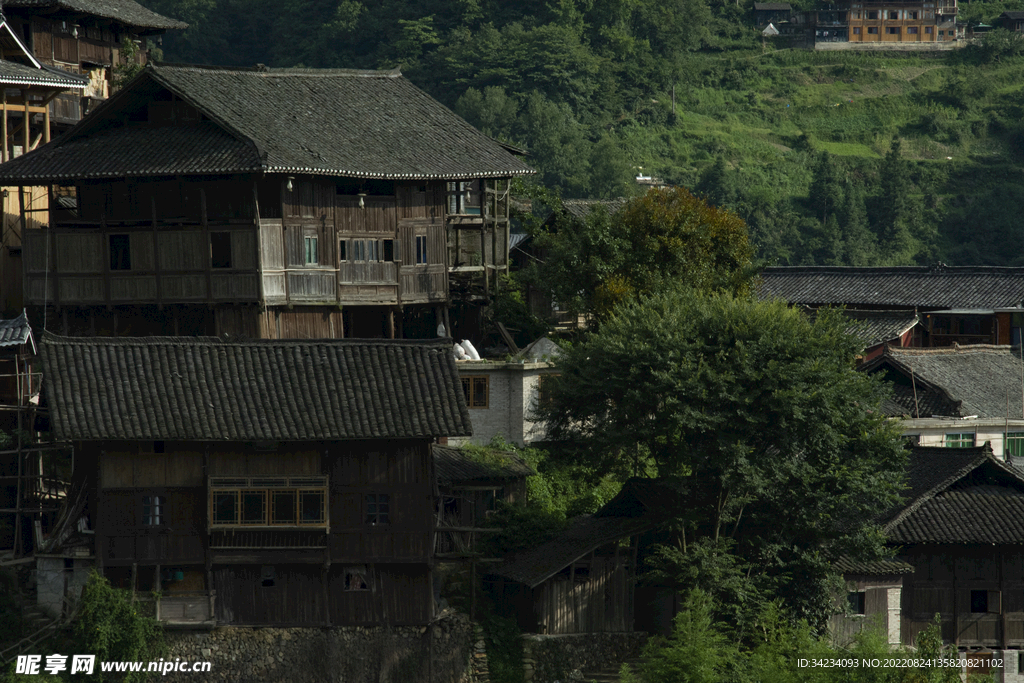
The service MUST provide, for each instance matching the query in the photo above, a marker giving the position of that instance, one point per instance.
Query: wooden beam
(7, 145)
(26, 124)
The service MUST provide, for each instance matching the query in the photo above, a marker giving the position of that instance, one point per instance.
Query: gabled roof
(586, 534)
(205, 389)
(359, 124)
(932, 287)
(960, 496)
(641, 497)
(956, 381)
(453, 465)
(127, 12)
(16, 331)
(1014, 15)
(875, 327)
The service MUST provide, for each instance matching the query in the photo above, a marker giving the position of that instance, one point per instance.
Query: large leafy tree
(665, 237)
(758, 410)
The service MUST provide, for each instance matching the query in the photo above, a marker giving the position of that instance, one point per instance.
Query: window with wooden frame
(544, 385)
(220, 249)
(986, 602)
(343, 250)
(153, 510)
(357, 578)
(388, 251)
(120, 252)
(378, 508)
(872, 14)
(421, 250)
(477, 391)
(857, 601)
(893, 30)
(873, 30)
(268, 501)
(312, 255)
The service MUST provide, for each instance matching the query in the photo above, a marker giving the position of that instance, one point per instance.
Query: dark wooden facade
(170, 204)
(244, 255)
(260, 482)
(281, 571)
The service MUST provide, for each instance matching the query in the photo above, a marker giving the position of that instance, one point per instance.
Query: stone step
(610, 673)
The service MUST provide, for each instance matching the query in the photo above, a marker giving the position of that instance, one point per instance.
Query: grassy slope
(767, 111)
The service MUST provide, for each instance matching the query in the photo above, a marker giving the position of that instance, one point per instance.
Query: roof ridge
(167, 340)
(985, 455)
(262, 69)
(950, 350)
(945, 270)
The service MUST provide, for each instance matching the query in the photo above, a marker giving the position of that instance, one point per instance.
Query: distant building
(771, 13)
(1011, 21)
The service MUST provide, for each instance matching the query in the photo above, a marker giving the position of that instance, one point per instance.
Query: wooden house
(260, 482)
(584, 580)
(771, 13)
(470, 487)
(58, 58)
(879, 329)
(874, 591)
(955, 304)
(283, 217)
(962, 529)
(957, 397)
(1011, 21)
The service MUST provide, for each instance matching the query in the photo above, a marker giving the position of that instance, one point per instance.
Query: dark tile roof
(454, 465)
(582, 208)
(163, 150)
(15, 331)
(586, 534)
(875, 327)
(957, 381)
(641, 497)
(959, 495)
(362, 124)
(847, 565)
(12, 73)
(769, 6)
(205, 389)
(1015, 15)
(125, 11)
(933, 287)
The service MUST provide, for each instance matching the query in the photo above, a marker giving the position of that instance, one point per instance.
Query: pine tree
(861, 246)
(896, 242)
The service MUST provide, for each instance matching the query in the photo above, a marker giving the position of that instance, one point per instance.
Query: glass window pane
(225, 507)
(311, 505)
(254, 507)
(283, 507)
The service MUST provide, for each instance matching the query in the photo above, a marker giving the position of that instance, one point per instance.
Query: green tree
(826, 193)
(664, 237)
(759, 409)
(894, 224)
(110, 626)
(861, 244)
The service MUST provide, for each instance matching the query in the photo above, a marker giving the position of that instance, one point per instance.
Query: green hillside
(799, 143)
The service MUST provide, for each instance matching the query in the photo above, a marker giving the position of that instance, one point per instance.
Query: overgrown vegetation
(704, 649)
(108, 624)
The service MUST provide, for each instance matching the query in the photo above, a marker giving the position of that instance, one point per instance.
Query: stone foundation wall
(547, 659)
(399, 654)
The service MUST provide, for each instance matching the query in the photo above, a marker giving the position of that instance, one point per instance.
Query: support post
(7, 143)
(26, 124)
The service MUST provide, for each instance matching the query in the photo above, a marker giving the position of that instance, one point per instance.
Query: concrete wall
(932, 431)
(54, 580)
(512, 399)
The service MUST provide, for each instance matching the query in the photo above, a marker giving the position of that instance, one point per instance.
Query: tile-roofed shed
(205, 389)
(456, 465)
(581, 209)
(957, 381)
(359, 124)
(932, 287)
(127, 12)
(875, 327)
